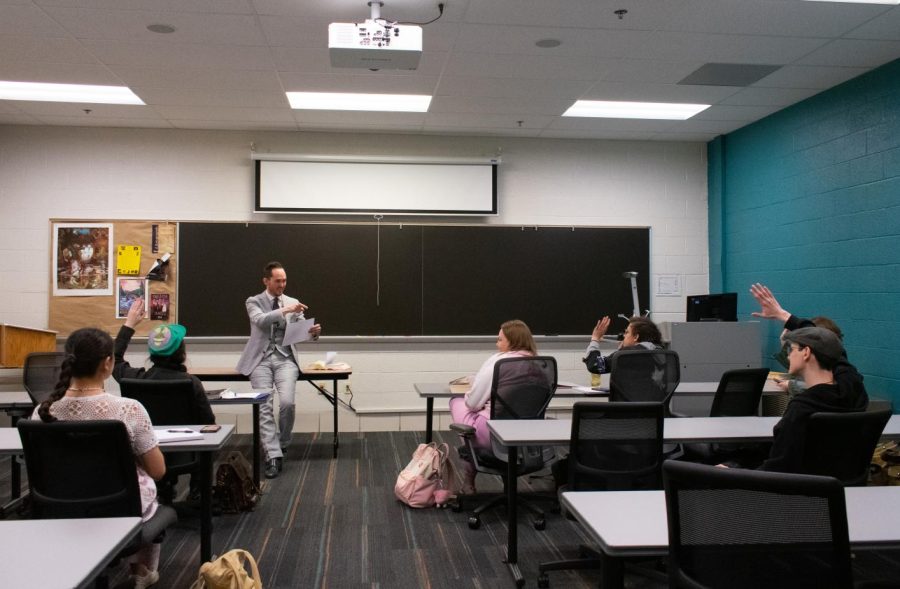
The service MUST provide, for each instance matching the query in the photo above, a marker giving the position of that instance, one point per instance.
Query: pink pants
(464, 415)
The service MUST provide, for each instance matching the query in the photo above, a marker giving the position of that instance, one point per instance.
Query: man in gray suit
(270, 364)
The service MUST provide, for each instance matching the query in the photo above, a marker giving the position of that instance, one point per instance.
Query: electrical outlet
(347, 390)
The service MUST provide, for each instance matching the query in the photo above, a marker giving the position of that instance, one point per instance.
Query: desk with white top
(535, 432)
(633, 523)
(11, 444)
(54, 553)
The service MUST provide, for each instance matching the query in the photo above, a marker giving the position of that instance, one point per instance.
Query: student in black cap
(815, 354)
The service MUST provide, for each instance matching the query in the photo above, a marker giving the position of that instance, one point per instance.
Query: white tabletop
(14, 400)
(676, 430)
(11, 443)
(633, 523)
(57, 553)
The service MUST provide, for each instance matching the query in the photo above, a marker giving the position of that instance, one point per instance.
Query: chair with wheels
(840, 445)
(86, 469)
(521, 389)
(613, 447)
(746, 529)
(168, 402)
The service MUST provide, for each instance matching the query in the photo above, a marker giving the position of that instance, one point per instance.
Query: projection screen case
(433, 187)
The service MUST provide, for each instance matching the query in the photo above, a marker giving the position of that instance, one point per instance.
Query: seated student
(845, 374)
(815, 354)
(79, 396)
(640, 333)
(514, 340)
(167, 353)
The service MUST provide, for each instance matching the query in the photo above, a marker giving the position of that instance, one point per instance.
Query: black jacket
(846, 395)
(123, 369)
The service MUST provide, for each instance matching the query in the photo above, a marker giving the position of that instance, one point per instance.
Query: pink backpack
(427, 473)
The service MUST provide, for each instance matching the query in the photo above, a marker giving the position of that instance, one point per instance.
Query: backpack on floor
(228, 572)
(425, 474)
(234, 489)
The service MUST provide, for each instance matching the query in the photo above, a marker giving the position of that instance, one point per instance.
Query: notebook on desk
(165, 436)
(460, 385)
(214, 394)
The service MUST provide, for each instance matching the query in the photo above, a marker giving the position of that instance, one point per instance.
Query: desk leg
(256, 444)
(512, 547)
(205, 506)
(429, 417)
(335, 417)
(612, 574)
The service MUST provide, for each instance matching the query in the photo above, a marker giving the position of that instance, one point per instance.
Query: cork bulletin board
(71, 302)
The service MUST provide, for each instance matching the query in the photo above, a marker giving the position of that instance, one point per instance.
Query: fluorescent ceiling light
(370, 102)
(67, 93)
(633, 110)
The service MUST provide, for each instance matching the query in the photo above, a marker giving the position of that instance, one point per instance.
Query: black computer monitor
(712, 307)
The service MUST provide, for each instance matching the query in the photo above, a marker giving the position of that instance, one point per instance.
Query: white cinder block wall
(105, 173)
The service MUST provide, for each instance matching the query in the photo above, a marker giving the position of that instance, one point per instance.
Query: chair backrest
(840, 445)
(644, 376)
(748, 529)
(80, 469)
(739, 392)
(522, 387)
(616, 446)
(41, 374)
(168, 402)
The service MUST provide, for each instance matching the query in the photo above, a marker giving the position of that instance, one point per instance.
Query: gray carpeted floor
(335, 523)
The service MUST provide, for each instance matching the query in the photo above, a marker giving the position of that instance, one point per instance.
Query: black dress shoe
(273, 468)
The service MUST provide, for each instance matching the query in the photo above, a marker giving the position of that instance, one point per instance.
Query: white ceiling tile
(58, 73)
(68, 109)
(381, 82)
(349, 118)
(221, 78)
(179, 56)
(650, 71)
(41, 50)
(199, 97)
(511, 106)
(493, 121)
(769, 96)
(543, 67)
(817, 77)
(510, 87)
(642, 125)
(224, 113)
(658, 93)
(706, 48)
(609, 134)
(104, 122)
(746, 114)
(886, 27)
(131, 25)
(598, 14)
(853, 53)
(9, 118)
(200, 6)
(521, 40)
(29, 20)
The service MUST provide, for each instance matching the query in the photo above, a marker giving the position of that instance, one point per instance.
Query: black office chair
(86, 469)
(738, 395)
(168, 402)
(613, 447)
(521, 389)
(840, 445)
(41, 374)
(745, 529)
(649, 376)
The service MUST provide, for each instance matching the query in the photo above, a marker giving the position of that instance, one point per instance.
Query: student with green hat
(167, 356)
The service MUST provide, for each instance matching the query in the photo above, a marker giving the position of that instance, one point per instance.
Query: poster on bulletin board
(128, 257)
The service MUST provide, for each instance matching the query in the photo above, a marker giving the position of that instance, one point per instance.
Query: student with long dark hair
(80, 395)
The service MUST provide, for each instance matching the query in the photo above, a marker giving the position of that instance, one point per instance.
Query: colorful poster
(82, 259)
(128, 260)
(159, 307)
(127, 290)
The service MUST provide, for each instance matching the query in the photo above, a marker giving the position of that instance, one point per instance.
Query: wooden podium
(17, 342)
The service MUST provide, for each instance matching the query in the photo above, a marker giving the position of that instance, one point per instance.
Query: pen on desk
(180, 431)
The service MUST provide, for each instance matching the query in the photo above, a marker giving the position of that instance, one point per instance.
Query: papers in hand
(176, 434)
(298, 331)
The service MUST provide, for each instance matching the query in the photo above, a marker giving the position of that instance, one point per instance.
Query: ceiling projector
(375, 45)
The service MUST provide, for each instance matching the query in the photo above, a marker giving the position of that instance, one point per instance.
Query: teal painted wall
(807, 201)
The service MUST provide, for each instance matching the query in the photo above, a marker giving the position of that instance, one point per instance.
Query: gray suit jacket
(262, 318)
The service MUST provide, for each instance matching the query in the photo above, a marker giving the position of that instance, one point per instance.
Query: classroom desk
(16, 404)
(255, 403)
(11, 444)
(56, 553)
(434, 390)
(310, 376)
(633, 523)
(514, 433)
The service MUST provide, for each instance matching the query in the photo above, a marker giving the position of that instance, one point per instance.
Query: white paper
(229, 394)
(177, 435)
(298, 331)
(329, 357)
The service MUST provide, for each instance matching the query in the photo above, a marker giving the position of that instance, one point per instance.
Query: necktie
(275, 304)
